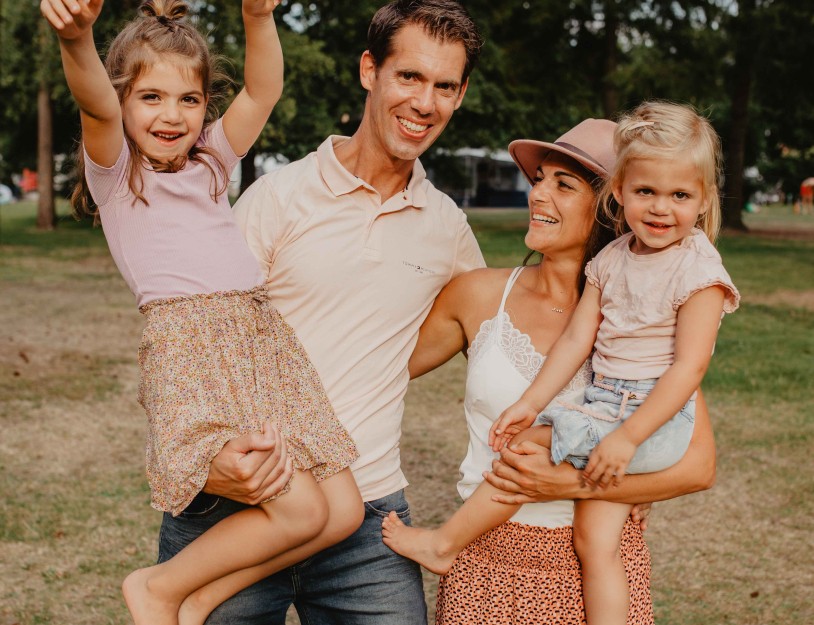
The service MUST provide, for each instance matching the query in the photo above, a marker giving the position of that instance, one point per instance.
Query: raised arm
(99, 109)
(262, 77)
(526, 472)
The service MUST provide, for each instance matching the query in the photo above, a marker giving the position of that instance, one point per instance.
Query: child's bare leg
(598, 529)
(436, 549)
(154, 594)
(345, 515)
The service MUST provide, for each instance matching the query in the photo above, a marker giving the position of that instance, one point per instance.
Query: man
(356, 243)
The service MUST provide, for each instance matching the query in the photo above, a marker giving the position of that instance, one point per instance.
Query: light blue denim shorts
(609, 402)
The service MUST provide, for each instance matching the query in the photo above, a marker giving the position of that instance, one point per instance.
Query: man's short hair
(446, 20)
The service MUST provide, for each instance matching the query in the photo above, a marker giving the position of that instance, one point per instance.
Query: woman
(506, 320)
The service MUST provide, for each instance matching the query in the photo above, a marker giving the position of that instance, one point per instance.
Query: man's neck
(381, 171)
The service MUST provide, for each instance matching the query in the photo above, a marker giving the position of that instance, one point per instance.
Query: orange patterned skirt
(216, 366)
(522, 574)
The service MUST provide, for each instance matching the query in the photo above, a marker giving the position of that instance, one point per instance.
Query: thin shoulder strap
(509, 284)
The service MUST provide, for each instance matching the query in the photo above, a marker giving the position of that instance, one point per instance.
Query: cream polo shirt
(355, 278)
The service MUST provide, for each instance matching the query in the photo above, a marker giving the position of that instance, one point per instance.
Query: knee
(591, 547)
(347, 518)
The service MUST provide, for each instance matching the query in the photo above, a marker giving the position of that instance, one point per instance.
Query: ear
(616, 187)
(367, 70)
(461, 94)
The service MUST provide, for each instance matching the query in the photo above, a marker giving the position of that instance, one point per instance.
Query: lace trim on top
(518, 348)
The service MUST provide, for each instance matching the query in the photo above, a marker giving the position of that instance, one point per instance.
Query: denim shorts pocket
(382, 507)
(688, 411)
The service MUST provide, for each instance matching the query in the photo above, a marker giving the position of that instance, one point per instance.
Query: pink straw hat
(590, 143)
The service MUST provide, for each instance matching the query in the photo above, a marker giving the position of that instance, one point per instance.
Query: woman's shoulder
(476, 294)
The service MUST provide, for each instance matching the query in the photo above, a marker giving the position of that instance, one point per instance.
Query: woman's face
(562, 205)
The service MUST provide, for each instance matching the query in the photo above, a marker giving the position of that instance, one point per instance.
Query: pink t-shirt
(640, 298)
(183, 242)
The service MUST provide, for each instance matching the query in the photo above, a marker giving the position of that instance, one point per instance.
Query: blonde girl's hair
(160, 33)
(657, 129)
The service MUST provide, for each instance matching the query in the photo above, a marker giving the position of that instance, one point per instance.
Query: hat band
(581, 153)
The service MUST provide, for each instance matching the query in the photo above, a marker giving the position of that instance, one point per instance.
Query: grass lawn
(74, 513)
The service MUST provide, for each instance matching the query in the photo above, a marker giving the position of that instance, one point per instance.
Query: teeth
(162, 135)
(411, 126)
(544, 219)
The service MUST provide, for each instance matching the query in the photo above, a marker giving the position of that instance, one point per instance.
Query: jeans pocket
(382, 507)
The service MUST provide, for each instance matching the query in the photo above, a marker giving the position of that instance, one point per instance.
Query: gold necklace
(562, 310)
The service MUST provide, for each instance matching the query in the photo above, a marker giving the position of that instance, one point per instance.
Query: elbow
(705, 476)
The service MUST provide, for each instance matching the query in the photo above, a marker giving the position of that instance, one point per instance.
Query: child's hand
(71, 18)
(260, 8)
(512, 421)
(609, 459)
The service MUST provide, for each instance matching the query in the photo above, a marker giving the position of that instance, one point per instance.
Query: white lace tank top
(502, 364)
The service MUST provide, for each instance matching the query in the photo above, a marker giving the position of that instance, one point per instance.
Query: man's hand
(641, 514)
(516, 418)
(250, 468)
(609, 459)
(526, 473)
(71, 18)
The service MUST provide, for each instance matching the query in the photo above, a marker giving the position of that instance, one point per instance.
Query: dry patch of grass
(74, 506)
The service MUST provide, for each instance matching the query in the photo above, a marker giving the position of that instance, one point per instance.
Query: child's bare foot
(426, 547)
(145, 607)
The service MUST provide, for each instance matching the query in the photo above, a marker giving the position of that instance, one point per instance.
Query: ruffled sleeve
(704, 271)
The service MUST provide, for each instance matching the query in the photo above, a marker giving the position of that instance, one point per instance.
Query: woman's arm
(99, 109)
(527, 473)
(262, 77)
(442, 334)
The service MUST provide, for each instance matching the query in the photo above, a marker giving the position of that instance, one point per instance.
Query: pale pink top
(641, 295)
(183, 242)
(355, 275)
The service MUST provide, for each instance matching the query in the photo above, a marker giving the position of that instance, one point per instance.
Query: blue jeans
(359, 581)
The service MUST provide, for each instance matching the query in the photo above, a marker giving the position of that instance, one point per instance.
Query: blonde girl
(651, 308)
(217, 360)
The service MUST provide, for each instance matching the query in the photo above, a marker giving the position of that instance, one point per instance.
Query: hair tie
(166, 22)
(641, 124)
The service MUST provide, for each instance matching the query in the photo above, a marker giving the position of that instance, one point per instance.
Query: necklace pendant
(557, 310)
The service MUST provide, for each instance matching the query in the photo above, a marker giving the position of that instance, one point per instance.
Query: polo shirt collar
(341, 182)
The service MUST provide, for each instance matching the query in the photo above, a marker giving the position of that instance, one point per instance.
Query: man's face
(413, 94)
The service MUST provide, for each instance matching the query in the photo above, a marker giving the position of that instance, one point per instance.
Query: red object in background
(28, 183)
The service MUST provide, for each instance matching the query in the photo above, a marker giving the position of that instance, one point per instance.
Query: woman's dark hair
(445, 20)
(159, 33)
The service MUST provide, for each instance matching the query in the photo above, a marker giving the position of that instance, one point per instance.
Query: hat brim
(528, 154)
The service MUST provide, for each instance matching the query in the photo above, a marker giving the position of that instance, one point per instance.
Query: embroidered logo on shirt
(418, 268)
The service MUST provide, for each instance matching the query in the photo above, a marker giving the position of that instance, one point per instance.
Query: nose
(660, 206)
(171, 113)
(540, 192)
(424, 100)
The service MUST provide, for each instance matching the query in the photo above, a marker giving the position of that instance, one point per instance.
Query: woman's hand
(71, 18)
(526, 473)
(250, 468)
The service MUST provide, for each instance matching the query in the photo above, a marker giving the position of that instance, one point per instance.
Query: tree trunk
(46, 214)
(610, 93)
(743, 71)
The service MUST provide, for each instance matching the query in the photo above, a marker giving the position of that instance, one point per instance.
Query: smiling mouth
(167, 137)
(412, 126)
(543, 219)
(658, 227)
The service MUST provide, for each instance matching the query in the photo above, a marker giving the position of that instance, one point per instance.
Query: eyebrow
(162, 92)
(562, 173)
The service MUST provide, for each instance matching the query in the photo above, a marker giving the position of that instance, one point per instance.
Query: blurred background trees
(546, 64)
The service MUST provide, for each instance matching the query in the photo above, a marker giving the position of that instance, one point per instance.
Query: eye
(564, 185)
(409, 76)
(191, 99)
(644, 191)
(680, 195)
(150, 97)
